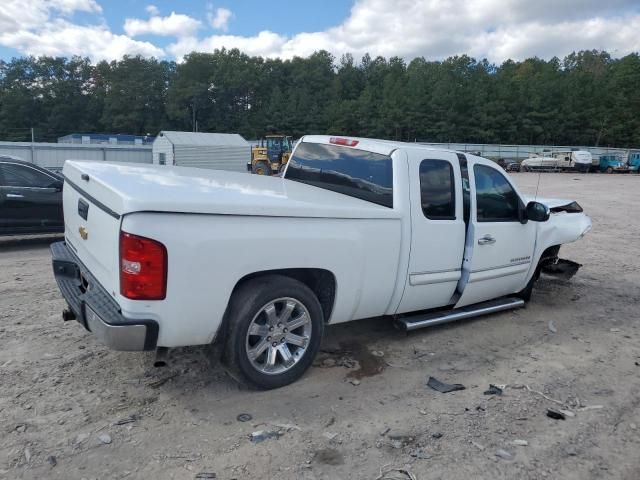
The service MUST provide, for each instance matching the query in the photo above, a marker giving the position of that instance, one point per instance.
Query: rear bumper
(95, 309)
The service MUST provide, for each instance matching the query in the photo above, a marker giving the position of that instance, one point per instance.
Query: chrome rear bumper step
(435, 318)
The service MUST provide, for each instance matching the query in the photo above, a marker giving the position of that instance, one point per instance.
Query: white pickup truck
(158, 257)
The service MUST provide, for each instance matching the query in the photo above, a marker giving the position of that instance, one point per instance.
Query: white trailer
(217, 151)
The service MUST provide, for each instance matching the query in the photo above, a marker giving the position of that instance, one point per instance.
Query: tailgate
(92, 226)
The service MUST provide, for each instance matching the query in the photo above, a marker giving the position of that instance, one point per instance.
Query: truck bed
(150, 188)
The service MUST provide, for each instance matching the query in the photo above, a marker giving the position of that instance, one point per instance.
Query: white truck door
(499, 247)
(437, 230)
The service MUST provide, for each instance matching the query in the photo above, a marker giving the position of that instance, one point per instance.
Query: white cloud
(265, 44)
(175, 25)
(496, 29)
(42, 28)
(220, 18)
(61, 38)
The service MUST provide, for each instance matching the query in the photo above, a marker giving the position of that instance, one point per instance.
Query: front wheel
(275, 327)
(262, 168)
(609, 170)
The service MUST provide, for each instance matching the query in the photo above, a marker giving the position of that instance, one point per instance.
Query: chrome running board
(435, 318)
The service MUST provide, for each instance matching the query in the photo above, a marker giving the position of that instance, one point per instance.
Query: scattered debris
(286, 426)
(493, 390)
(331, 421)
(562, 268)
(262, 435)
(437, 435)
(543, 395)
(329, 435)
(477, 445)
(162, 381)
(552, 327)
(105, 438)
(567, 413)
(420, 454)
(503, 454)
(354, 381)
(125, 421)
(27, 454)
(21, 428)
(571, 451)
(208, 475)
(51, 460)
(401, 439)
(377, 353)
(555, 414)
(520, 443)
(395, 473)
(244, 417)
(590, 407)
(444, 387)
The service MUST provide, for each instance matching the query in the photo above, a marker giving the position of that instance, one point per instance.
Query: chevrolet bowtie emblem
(83, 233)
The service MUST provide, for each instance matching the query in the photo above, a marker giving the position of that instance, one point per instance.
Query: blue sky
(493, 29)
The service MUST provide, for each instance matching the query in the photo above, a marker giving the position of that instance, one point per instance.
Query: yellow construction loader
(271, 155)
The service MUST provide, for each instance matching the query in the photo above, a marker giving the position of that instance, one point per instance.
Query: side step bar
(435, 318)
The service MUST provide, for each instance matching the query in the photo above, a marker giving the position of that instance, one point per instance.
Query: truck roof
(383, 147)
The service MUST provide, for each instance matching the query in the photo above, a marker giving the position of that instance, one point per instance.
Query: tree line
(588, 98)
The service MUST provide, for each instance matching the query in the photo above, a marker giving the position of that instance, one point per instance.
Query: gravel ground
(70, 408)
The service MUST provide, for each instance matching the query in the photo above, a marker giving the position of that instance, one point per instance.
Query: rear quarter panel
(209, 254)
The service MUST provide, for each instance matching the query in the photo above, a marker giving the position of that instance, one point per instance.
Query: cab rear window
(349, 171)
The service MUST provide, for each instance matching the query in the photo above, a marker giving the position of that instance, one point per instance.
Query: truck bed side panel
(209, 254)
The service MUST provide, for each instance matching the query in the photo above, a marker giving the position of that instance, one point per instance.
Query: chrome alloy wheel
(278, 336)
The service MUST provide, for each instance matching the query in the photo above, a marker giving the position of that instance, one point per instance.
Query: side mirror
(537, 212)
(57, 185)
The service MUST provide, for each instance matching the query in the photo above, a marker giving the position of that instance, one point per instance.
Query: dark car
(30, 198)
(512, 167)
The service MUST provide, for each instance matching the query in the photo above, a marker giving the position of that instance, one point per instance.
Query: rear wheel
(609, 170)
(275, 327)
(261, 168)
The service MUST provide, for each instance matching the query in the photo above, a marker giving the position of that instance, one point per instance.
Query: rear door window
(357, 173)
(437, 190)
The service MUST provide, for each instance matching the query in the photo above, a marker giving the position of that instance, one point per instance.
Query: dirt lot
(70, 408)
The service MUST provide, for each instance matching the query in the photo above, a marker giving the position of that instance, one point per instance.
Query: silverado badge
(83, 233)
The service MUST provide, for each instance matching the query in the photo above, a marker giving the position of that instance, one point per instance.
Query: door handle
(14, 195)
(486, 240)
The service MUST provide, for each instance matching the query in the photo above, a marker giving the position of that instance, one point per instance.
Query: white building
(219, 151)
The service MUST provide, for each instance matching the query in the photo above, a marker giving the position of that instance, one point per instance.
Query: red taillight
(143, 268)
(347, 142)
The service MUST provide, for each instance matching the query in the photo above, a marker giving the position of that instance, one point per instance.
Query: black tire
(262, 168)
(245, 304)
(609, 170)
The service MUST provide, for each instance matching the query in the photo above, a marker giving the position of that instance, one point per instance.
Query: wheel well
(321, 282)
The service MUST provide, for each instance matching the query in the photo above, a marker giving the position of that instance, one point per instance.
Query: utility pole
(33, 157)
(193, 116)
